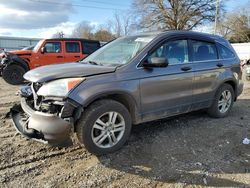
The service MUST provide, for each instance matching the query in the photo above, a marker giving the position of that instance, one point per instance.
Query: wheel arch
(19, 61)
(122, 97)
(232, 83)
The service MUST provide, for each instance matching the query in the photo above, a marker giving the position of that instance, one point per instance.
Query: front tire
(223, 102)
(13, 74)
(104, 127)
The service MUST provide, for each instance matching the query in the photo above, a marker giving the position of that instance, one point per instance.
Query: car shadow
(190, 149)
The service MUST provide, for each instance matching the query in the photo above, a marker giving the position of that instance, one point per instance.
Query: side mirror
(155, 62)
(43, 50)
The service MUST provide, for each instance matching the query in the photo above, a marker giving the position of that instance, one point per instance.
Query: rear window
(72, 47)
(224, 52)
(90, 47)
(204, 51)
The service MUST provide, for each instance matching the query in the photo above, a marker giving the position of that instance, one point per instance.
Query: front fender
(92, 90)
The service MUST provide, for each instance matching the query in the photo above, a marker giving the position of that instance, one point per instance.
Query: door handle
(77, 56)
(219, 65)
(59, 56)
(186, 68)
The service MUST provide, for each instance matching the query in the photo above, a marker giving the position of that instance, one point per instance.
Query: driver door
(166, 91)
(53, 53)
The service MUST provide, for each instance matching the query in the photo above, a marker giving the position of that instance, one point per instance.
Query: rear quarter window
(224, 52)
(90, 47)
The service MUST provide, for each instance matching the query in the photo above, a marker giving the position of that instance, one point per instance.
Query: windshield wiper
(94, 63)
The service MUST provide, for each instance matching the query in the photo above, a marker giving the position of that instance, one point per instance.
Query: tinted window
(52, 47)
(174, 51)
(90, 47)
(203, 51)
(225, 52)
(72, 47)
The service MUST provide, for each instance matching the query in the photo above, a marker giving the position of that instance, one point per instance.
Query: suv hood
(66, 70)
(21, 52)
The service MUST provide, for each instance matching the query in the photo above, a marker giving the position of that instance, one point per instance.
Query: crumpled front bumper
(47, 128)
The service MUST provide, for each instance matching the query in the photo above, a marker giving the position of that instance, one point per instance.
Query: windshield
(37, 46)
(119, 51)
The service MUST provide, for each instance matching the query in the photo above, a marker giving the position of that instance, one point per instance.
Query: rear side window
(72, 47)
(90, 47)
(224, 52)
(204, 51)
(52, 47)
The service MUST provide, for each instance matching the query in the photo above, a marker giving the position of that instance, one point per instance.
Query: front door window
(176, 52)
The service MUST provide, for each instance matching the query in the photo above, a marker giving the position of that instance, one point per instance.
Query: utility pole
(217, 13)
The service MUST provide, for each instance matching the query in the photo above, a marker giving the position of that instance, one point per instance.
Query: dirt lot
(192, 150)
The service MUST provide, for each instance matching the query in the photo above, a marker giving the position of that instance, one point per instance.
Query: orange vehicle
(15, 64)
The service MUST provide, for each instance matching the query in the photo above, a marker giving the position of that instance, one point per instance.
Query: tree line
(152, 15)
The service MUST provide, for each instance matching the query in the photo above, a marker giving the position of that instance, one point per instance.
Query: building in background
(16, 43)
(242, 50)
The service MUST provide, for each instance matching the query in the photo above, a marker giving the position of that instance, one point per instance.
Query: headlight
(59, 88)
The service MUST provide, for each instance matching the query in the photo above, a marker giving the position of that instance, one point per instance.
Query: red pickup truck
(15, 64)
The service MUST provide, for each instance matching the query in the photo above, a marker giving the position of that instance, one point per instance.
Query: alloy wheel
(225, 101)
(108, 129)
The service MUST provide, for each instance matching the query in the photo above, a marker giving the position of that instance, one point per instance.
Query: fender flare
(231, 82)
(19, 61)
(123, 97)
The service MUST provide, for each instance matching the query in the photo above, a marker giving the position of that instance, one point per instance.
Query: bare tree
(83, 30)
(121, 24)
(173, 14)
(59, 34)
(240, 31)
(103, 35)
(235, 26)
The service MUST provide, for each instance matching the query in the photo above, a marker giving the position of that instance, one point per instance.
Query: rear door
(72, 51)
(207, 68)
(53, 53)
(166, 91)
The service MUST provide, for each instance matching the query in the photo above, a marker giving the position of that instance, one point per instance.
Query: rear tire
(13, 74)
(104, 127)
(223, 102)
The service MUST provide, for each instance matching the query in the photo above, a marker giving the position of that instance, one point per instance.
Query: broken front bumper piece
(40, 126)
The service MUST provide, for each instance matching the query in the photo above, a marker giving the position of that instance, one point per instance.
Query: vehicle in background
(20, 53)
(131, 80)
(243, 51)
(47, 51)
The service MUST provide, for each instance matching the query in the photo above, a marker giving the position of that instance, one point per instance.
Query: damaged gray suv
(128, 81)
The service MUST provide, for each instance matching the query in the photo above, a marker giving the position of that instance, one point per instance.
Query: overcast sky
(42, 18)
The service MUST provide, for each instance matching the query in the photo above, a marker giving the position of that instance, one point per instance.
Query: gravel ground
(191, 150)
